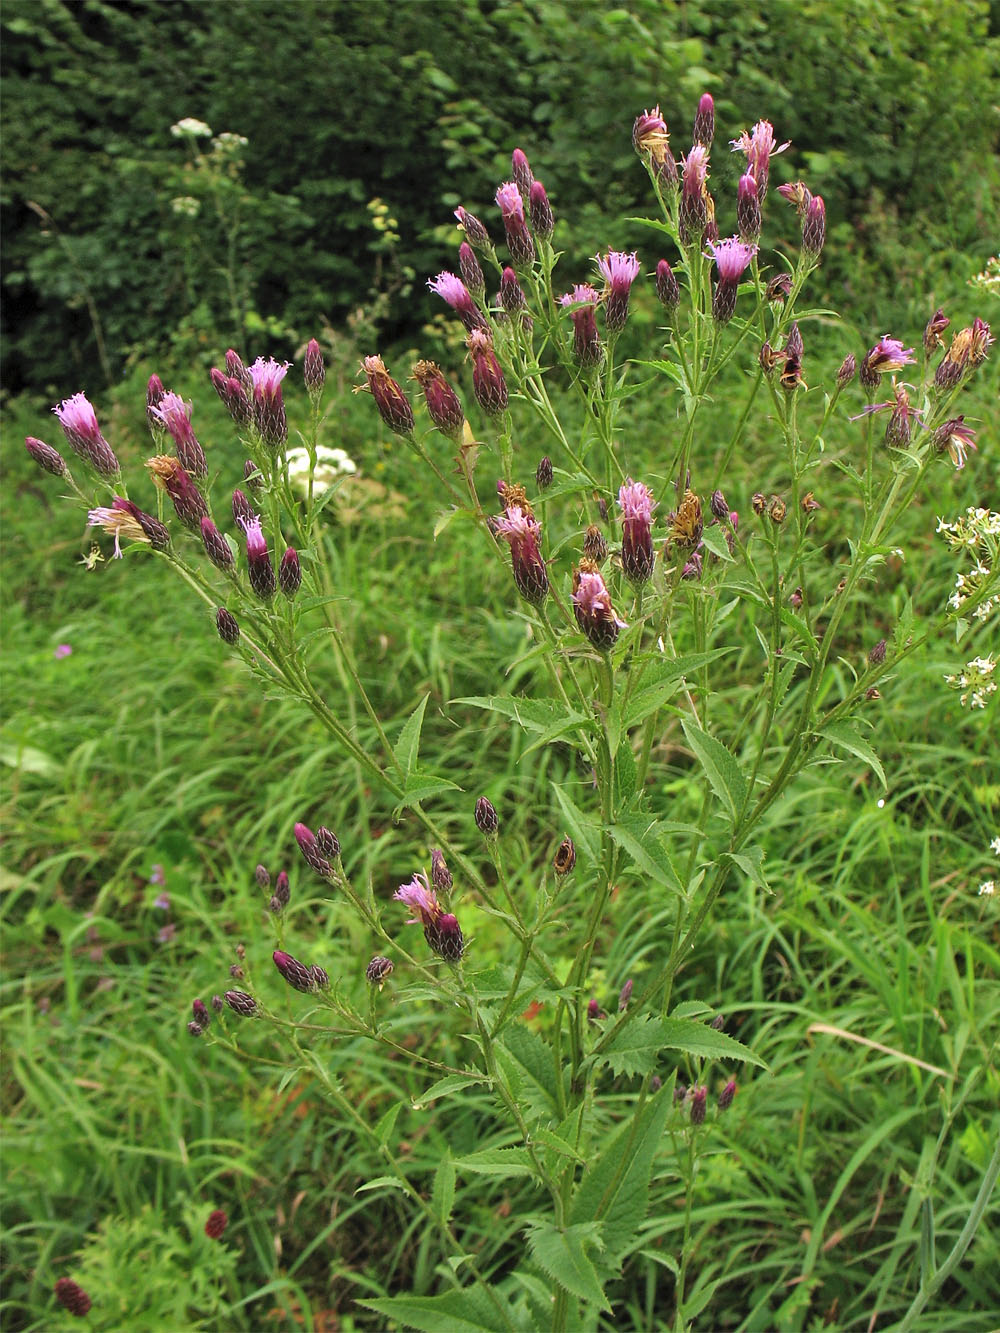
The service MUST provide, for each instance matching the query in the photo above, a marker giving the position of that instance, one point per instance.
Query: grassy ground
(868, 981)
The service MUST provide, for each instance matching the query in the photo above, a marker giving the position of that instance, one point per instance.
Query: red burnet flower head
(454, 291)
(619, 270)
(260, 569)
(521, 171)
(72, 1297)
(748, 209)
(47, 458)
(268, 405)
(392, 403)
(79, 424)
(314, 369)
(488, 382)
(704, 121)
(693, 213)
(759, 146)
(957, 438)
(636, 503)
(814, 226)
(592, 606)
(175, 414)
(521, 531)
(543, 222)
(732, 257)
(441, 929)
(443, 405)
(476, 234)
(582, 303)
(471, 270)
(667, 289)
(886, 357)
(216, 1224)
(519, 242)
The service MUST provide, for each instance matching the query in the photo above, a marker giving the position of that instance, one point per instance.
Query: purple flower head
(759, 146)
(957, 438)
(260, 569)
(510, 203)
(899, 429)
(488, 382)
(814, 226)
(79, 423)
(297, 974)
(519, 242)
(521, 171)
(693, 214)
(268, 405)
(732, 257)
(166, 933)
(543, 221)
(421, 899)
(47, 458)
(619, 271)
(582, 301)
(592, 606)
(521, 532)
(637, 504)
(119, 520)
(651, 136)
(266, 377)
(454, 291)
(311, 852)
(157, 876)
(63, 650)
(162, 902)
(174, 413)
(314, 369)
(694, 169)
(886, 357)
(256, 542)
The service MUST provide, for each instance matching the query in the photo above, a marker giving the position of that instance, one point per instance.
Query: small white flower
(987, 889)
(186, 206)
(995, 845)
(196, 128)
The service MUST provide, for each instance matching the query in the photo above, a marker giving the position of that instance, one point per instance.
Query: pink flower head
(119, 520)
(256, 542)
(694, 169)
(582, 301)
(421, 899)
(174, 413)
(519, 242)
(899, 429)
(732, 257)
(453, 290)
(619, 271)
(592, 605)
(582, 294)
(521, 532)
(758, 144)
(63, 650)
(650, 135)
(957, 438)
(79, 423)
(510, 203)
(266, 377)
(637, 504)
(268, 406)
(886, 357)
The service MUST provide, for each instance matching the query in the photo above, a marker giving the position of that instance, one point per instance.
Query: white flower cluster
(977, 535)
(976, 681)
(330, 464)
(989, 279)
(186, 206)
(196, 128)
(987, 888)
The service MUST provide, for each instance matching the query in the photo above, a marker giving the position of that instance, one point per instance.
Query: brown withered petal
(565, 858)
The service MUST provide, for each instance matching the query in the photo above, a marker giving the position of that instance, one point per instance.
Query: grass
(867, 980)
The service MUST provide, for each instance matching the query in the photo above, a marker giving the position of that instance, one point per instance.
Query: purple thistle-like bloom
(592, 606)
(488, 382)
(454, 291)
(476, 234)
(899, 429)
(619, 270)
(261, 570)
(79, 424)
(519, 242)
(731, 257)
(693, 213)
(582, 301)
(651, 139)
(543, 222)
(419, 897)
(957, 438)
(759, 146)
(175, 414)
(311, 853)
(441, 929)
(886, 357)
(392, 403)
(637, 504)
(118, 520)
(748, 209)
(521, 532)
(47, 458)
(268, 405)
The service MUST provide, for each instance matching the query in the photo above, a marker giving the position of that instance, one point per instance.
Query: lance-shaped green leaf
(638, 837)
(502, 1162)
(723, 772)
(843, 734)
(661, 681)
(561, 1253)
(467, 1311)
(535, 1057)
(408, 745)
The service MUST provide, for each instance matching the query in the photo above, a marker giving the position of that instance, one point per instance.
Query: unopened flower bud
(47, 458)
(290, 573)
(565, 858)
(748, 210)
(543, 473)
(195, 1028)
(327, 842)
(320, 977)
(218, 1004)
(667, 290)
(718, 1023)
(777, 509)
(726, 1095)
(521, 171)
(236, 972)
(281, 890)
(814, 226)
(476, 234)
(443, 406)
(543, 222)
(718, 506)
(845, 374)
(274, 905)
(594, 1010)
(512, 297)
(779, 287)
(216, 1224)
(259, 566)
(440, 874)
(876, 655)
(625, 995)
(488, 382)
(378, 970)
(252, 478)
(595, 547)
(225, 623)
(295, 973)
(154, 397)
(263, 877)
(241, 1003)
(314, 369)
(72, 1297)
(311, 853)
(448, 940)
(393, 405)
(486, 818)
(189, 503)
(217, 548)
(201, 1014)
(698, 1101)
(471, 271)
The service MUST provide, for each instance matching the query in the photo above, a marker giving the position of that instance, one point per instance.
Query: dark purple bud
(241, 1003)
(726, 1095)
(543, 223)
(814, 226)
(443, 405)
(216, 1224)
(748, 210)
(543, 473)
(704, 121)
(217, 548)
(440, 874)
(486, 818)
(565, 857)
(936, 325)
(698, 1102)
(274, 905)
(263, 877)
(281, 890)
(72, 1297)
(625, 995)
(471, 271)
(718, 1023)
(378, 969)
(309, 848)
(521, 172)
(313, 369)
(667, 289)
(236, 972)
(392, 403)
(321, 980)
(476, 234)
(195, 1029)
(47, 458)
(225, 623)
(594, 1011)
(154, 397)
(595, 547)
(680, 1092)
(512, 298)
(655, 1083)
(236, 369)
(328, 843)
(259, 566)
(877, 654)
(243, 511)
(201, 1014)
(218, 1004)
(488, 382)
(447, 938)
(290, 573)
(719, 507)
(847, 370)
(295, 973)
